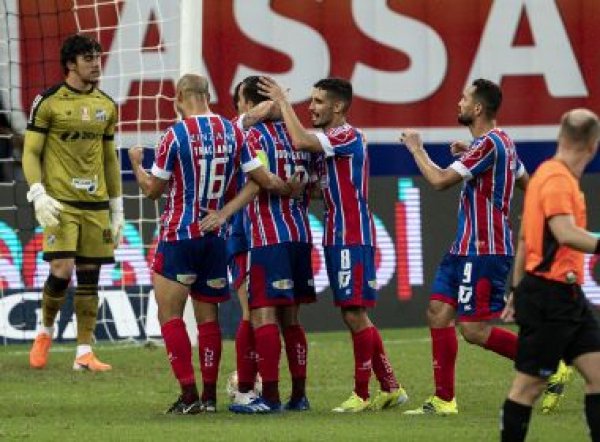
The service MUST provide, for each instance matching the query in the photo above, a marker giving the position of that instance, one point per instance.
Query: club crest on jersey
(100, 115)
(107, 237)
(85, 114)
(217, 283)
(283, 284)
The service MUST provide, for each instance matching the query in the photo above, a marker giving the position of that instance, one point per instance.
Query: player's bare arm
(273, 184)
(151, 186)
(264, 111)
(216, 218)
(440, 178)
(508, 314)
(567, 233)
(302, 139)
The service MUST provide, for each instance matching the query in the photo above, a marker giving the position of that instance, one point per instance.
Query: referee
(555, 320)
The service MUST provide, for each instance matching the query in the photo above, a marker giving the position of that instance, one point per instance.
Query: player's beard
(465, 120)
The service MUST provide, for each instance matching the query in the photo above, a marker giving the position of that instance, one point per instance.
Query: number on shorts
(216, 181)
(467, 272)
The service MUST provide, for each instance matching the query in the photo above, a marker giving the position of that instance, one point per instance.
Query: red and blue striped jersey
(199, 156)
(273, 219)
(489, 169)
(345, 186)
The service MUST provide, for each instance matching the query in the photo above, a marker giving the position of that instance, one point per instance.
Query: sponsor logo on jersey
(51, 239)
(89, 185)
(186, 278)
(217, 283)
(283, 284)
(107, 237)
(85, 114)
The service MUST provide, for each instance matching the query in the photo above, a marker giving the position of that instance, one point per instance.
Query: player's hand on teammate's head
(213, 220)
(411, 139)
(47, 209)
(269, 88)
(136, 154)
(457, 148)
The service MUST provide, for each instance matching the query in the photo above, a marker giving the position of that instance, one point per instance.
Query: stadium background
(408, 64)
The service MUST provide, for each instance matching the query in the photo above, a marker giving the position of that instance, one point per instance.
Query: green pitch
(127, 404)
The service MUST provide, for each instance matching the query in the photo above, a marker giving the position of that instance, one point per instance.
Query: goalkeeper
(71, 166)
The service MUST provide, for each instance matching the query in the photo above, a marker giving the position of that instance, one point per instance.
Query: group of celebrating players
(237, 193)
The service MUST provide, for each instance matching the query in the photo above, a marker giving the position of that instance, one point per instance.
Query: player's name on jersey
(213, 150)
(295, 155)
(208, 138)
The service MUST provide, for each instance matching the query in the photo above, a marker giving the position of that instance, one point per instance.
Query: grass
(127, 404)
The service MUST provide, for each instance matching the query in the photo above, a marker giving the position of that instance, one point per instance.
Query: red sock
(245, 356)
(503, 342)
(268, 349)
(381, 365)
(363, 355)
(179, 350)
(444, 348)
(209, 348)
(296, 349)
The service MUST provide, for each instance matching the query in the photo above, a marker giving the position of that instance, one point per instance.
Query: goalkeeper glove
(46, 208)
(117, 219)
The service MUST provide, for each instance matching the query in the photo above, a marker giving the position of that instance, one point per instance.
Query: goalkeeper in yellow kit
(73, 173)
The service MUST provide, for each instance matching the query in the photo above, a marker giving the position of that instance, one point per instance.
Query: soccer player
(554, 317)
(196, 159)
(71, 166)
(470, 280)
(349, 237)
(279, 263)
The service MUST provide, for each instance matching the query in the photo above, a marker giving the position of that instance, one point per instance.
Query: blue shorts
(280, 274)
(200, 263)
(236, 237)
(351, 271)
(474, 285)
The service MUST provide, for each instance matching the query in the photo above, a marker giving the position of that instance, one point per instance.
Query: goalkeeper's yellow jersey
(73, 127)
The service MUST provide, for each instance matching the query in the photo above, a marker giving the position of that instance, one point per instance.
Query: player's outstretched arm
(301, 138)
(272, 183)
(151, 186)
(439, 178)
(215, 219)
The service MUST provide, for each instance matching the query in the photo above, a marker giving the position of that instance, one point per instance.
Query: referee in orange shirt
(555, 319)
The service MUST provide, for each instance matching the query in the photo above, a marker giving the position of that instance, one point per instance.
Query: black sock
(209, 392)
(592, 414)
(514, 421)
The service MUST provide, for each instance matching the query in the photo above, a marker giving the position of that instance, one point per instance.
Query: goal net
(140, 65)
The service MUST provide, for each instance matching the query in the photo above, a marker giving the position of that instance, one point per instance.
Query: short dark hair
(251, 92)
(489, 95)
(338, 88)
(236, 95)
(75, 45)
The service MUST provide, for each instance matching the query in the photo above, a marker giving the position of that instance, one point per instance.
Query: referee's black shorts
(555, 322)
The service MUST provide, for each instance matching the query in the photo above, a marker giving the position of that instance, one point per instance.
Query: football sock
(179, 350)
(503, 342)
(514, 421)
(363, 356)
(189, 393)
(245, 356)
(83, 349)
(381, 365)
(444, 348)
(268, 349)
(592, 412)
(86, 310)
(209, 346)
(53, 297)
(296, 349)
